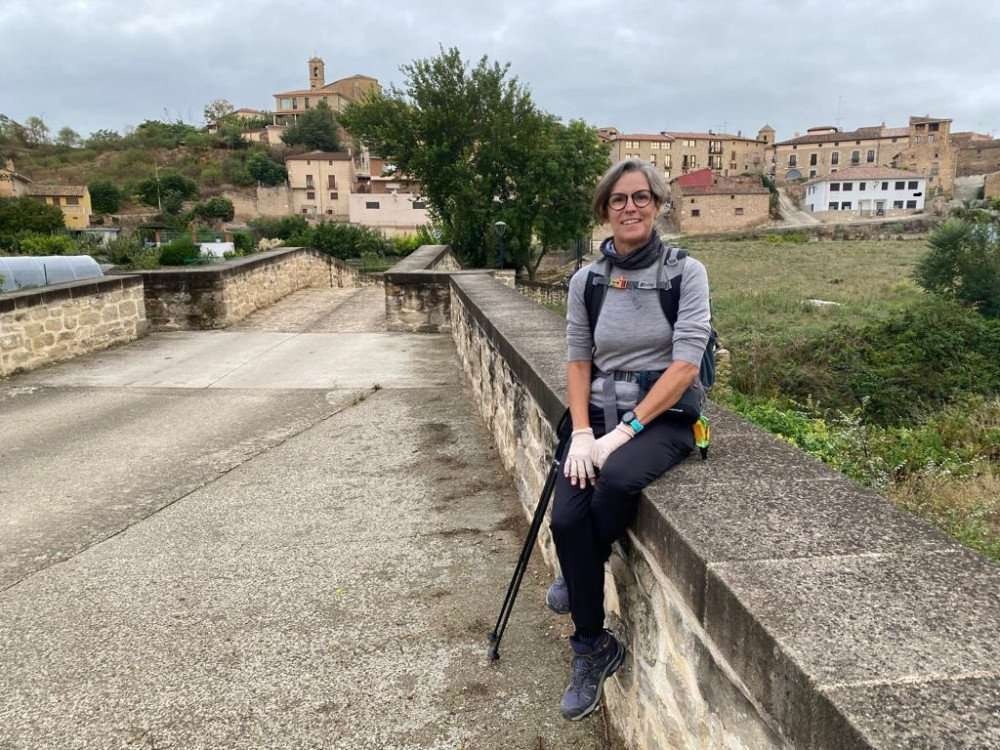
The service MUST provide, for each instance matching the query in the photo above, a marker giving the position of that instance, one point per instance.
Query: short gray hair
(657, 185)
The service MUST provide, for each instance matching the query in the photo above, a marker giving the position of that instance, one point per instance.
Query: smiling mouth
(630, 221)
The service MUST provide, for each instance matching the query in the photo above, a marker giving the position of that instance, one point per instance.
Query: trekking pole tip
(492, 653)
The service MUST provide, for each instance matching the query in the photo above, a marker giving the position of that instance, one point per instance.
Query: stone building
(979, 155)
(991, 186)
(924, 146)
(678, 152)
(72, 200)
(865, 192)
(288, 105)
(320, 183)
(703, 202)
(12, 183)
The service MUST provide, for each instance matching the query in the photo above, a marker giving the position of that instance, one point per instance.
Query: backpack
(597, 287)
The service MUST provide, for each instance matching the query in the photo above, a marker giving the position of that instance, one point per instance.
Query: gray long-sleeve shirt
(632, 332)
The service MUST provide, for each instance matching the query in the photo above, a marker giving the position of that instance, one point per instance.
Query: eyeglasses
(640, 199)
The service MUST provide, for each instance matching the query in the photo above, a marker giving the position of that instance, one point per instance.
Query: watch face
(628, 416)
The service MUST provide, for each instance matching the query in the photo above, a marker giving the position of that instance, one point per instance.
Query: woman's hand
(578, 467)
(609, 443)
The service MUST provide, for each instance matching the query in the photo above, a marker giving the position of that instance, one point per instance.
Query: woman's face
(631, 225)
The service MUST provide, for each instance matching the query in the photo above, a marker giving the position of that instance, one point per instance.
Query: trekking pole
(563, 433)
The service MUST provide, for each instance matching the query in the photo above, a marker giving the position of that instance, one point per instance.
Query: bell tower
(317, 75)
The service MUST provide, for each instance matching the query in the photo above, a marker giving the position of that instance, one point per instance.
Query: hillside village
(720, 181)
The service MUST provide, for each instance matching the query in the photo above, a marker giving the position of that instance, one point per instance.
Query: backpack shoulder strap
(670, 295)
(594, 293)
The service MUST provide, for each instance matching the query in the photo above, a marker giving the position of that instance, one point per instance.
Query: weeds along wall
(765, 600)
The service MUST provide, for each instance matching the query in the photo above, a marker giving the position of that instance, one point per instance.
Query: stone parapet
(418, 293)
(766, 601)
(54, 323)
(216, 296)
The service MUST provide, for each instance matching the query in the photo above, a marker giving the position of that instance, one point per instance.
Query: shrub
(180, 252)
(243, 243)
(28, 215)
(47, 244)
(217, 208)
(280, 228)
(105, 197)
(265, 170)
(170, 191)
(130, 252)
(964, 264)
(343, 240)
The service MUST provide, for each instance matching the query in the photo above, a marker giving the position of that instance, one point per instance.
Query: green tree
(11, 131)
(315, 129)
(217, 110)
(170, 191)
(265, 170)
(36, 131)
(157, 134)
(104, 140)
(47, 244)
(216, 208)
(483, 153)
(28, 215)
(105, 197)
(964, 263)
(69, 138)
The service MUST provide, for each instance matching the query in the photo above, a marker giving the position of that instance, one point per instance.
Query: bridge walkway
(290, 534)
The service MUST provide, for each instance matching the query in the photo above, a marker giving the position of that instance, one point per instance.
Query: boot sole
(608, 671)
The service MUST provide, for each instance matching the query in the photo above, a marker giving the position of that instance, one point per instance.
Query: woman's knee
(570, 507)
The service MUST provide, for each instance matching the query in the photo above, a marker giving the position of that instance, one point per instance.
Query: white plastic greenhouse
(22, 272)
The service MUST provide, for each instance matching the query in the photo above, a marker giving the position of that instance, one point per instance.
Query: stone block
(54, 325)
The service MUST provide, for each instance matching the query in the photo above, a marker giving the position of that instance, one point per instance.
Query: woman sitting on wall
(625, 371)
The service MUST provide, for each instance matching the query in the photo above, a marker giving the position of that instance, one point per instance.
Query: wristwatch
(632, 421)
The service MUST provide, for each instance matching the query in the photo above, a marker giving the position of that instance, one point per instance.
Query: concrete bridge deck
(290, 534)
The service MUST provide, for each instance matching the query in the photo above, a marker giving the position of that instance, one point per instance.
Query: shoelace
(584, 672)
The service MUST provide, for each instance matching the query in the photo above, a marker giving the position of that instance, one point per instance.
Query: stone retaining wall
(766, 601)
(217, 296)
(41, 326)
(903, 227)
(543, 294)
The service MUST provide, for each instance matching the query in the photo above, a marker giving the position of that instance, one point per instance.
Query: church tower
(317, 75)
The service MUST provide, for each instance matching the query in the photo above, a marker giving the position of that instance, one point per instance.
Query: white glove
(578, 467)
(609, 443)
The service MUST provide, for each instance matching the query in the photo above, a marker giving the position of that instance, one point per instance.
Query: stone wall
(722, 213)
(765, 600)
(544, 294)
(978, 157)
(219, 295)
(418, 293)
(991, 186)
(41, 326)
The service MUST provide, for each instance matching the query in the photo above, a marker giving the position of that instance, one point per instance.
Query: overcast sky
(640, 66)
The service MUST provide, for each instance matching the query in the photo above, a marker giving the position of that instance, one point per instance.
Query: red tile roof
(698, 177)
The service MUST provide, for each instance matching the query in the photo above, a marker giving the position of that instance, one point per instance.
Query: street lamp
(500, 229)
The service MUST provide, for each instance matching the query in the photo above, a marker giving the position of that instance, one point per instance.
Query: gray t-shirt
(632, 332)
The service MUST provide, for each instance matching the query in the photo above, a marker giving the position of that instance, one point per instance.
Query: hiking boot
(557, 597)
(593, 663)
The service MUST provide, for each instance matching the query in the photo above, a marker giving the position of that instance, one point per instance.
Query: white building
(865, 191)
(393, 213)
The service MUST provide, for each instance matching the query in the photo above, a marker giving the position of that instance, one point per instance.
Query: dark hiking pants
(585, 522)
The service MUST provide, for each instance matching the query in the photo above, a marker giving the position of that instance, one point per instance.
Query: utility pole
(156, 171)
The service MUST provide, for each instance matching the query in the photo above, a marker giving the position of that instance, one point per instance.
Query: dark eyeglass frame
(640, 199)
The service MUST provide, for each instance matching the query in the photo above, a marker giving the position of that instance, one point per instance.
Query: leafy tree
(217, 110)
(169, 191)
(483, 153)
(68, 137)
(157, 134)
(280, 228)
(314, 129)
(342, 240)
(234, 171)
(964, 264)
(104, 140)
(28, 215)
(180, 252)
(47, 244)
(215, 208)
(36, 131)
(265, 170)
(105, 197)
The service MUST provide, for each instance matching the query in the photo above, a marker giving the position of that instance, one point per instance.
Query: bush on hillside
(47, 244)
(279, 228)
(180, 252)
(169, 191)
(105, 197)
(28, 215)
(214, 209)
(343, 240)
(964, 263)
(265, 170)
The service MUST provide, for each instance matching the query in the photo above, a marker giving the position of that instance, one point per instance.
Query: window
(666, 173)
(812, 159)
(419, 204)
(655, 145)
(329, 212)
(715, 147)
(666, 161)
(309, 181)
(295, 102)
(371, 204)
(911, 185)
(792, 161)
(911, 204)
(834, 187)
(832, 206)
(306, 100)
(897, 204)
(715, 161)
(310, 195)
(871, 156)
(934, 127)
(848, 186)
(72, 200)
(885, 185)
(862, 186)
(305, 210)
(738, 211)
(652, 159)
(334, 195)
(732, 165)
(835, 158)
(812, 172)
(331, 182)
(900, 186)
(845, 205)
(894, 140)
(696, 212)
(692, 200)
(855, 157)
